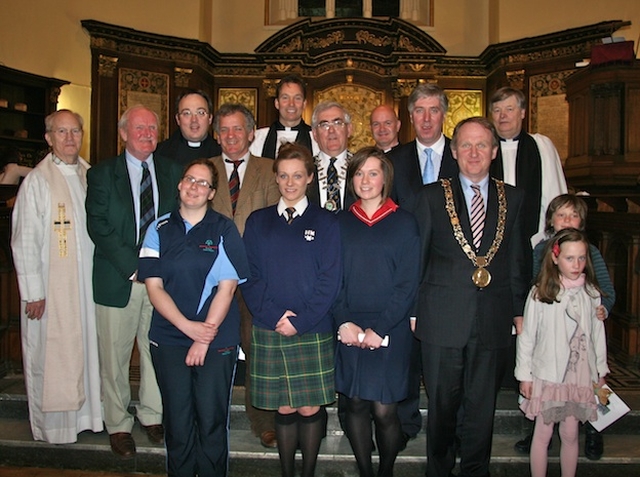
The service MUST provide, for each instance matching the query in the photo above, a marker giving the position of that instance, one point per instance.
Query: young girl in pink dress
(562, 351)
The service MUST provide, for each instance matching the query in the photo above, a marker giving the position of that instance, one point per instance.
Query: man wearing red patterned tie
(251, 186)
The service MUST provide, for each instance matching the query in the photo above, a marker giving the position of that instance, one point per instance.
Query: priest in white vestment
(53, 258)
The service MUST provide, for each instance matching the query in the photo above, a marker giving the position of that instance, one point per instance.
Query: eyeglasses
(200, 113)
(190, 180)
(63, 131)
(336, 123)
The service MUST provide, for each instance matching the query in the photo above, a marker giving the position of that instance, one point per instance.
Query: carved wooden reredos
(368, 61)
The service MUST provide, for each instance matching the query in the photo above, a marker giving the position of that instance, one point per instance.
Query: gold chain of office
(481, 276)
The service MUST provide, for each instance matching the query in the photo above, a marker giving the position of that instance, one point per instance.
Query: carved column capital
(53, 96)
(516, 79)
(181, 76)
(107, 65)
(269, 87)
(403, 87)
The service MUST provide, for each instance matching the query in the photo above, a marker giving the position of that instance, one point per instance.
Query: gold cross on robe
(61, 226)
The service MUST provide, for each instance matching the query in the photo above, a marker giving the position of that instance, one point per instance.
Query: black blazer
(448, 301)
(407, 175)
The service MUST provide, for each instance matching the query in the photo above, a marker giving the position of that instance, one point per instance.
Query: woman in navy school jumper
(381, 256)
(294, 255)
(191, 262)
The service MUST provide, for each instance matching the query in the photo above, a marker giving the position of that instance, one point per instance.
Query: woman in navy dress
(381, 255)
(294, 254)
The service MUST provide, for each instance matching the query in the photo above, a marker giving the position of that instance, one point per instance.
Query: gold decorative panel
(248, 97)
(359, 101)
(149, 89)
(549, 110)
(463, 104)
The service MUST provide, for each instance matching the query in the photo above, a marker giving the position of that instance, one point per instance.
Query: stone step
(249, 458)
(508, 418)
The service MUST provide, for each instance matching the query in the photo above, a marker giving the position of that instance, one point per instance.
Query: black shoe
(523, 446)
(593, 445)
(405, 439)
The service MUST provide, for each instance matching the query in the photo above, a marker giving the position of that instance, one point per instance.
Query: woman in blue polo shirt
(294, 254)
(191, 262)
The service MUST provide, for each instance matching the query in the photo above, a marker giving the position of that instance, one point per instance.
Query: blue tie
(428, 173)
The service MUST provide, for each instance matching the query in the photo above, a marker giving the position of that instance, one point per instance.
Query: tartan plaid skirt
(291, 371)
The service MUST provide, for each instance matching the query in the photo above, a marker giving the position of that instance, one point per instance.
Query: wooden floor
(36, 472)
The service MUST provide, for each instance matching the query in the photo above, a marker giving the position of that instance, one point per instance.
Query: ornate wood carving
(181, 76)
(269, 87)
(107, 65)
(603, 125)
(516, 79)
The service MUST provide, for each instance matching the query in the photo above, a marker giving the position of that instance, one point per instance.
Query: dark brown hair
(360, 157)
(548, 283)
(561, 201)
(292, 79)
(212, 170)
(292, 150)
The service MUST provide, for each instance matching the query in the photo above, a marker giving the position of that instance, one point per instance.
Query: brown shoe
(268, 439)
(122, 444)
(155, 433)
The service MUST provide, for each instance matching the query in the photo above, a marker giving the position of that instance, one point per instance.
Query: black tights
(295, 430)
(388, 434)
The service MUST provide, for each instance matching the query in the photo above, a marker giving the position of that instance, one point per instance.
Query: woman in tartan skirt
(294, 255)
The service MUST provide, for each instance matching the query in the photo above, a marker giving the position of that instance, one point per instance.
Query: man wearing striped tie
(247, 183)
(124, 195)
(474, 282)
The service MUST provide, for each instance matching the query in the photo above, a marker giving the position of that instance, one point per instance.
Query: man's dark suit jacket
(448, 301)
(407, 174)
(112, 225)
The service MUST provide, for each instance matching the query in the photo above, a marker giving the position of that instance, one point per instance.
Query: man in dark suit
(331, 128)
(118, 208)
(474, 283)
(428, 158)
(427, 106)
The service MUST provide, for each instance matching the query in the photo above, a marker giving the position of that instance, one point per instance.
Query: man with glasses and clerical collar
(290, 102)
(193, 139)
(331, 124)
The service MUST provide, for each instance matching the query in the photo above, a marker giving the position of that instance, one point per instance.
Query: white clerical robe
(31, 234)
(286, 135)
(553, 181)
